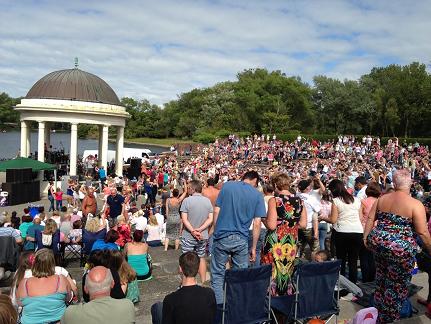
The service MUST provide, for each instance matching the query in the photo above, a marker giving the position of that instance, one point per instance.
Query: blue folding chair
(317, 292)
(246, 299)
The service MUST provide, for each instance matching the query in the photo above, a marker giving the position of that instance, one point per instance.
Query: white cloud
(158, 49)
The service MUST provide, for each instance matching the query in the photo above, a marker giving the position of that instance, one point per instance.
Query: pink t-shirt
(58, 195)
(368, 204)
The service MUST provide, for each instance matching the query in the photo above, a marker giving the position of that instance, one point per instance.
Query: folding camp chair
(245, 296)
(88, 239)
(317, 288)
(71, 251)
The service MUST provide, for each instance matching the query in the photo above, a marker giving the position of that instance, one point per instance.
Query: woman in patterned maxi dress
(392, 240)
(285, 215)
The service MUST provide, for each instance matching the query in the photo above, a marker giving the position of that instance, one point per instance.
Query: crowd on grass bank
(243, 202)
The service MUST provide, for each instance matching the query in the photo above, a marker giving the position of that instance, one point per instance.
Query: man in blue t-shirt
(115, 202)
(237, 205)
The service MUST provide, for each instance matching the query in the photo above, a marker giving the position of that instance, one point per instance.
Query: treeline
(389, 101)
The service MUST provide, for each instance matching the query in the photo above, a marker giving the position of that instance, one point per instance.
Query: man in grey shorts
(197, 216)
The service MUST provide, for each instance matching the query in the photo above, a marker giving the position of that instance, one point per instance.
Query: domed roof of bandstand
(73, 84)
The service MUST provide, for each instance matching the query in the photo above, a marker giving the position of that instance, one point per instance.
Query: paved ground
(166, 279)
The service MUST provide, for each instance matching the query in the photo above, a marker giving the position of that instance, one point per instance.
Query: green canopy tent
(25, 163)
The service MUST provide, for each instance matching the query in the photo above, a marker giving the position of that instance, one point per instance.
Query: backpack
(407, 309)
(366, 316)
(46, 240)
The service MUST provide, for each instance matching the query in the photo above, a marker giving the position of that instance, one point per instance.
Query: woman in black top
(105, 259)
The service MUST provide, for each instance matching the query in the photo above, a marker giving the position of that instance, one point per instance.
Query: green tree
(391, 115)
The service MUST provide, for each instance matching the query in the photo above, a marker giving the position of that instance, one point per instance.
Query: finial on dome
(76, 62)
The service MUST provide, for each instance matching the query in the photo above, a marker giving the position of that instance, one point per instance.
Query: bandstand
(76, 97)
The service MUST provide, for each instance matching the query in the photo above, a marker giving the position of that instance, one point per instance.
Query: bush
(222, 133)
(204, 138)
(243, 134)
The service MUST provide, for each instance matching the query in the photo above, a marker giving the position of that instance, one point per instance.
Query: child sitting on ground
(346, 286)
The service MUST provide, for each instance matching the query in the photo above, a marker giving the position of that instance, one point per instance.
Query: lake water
(10, 144)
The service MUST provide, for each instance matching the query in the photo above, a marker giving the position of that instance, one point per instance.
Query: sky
(157, 50)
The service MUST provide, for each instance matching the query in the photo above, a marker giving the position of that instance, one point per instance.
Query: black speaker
(135, 164)
(19, 175)
(24, 192)
(11, 175)
(133, 173)
(27, 175)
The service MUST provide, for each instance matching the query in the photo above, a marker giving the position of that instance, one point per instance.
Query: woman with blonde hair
(154, 230)
(286, 214)
(50, 237)
(398, 215)
(94, 225)
(44, 295)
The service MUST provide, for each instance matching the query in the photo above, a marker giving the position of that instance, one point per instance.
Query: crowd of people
(243, 202)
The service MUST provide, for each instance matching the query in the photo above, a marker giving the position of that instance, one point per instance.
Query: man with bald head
(102, 308)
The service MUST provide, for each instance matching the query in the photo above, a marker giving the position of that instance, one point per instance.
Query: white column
(99, 153)
(24, 131)
(28, 139)
(73, 148)
(47, 135)
(104, 157)
(119, 151)
(41, 142)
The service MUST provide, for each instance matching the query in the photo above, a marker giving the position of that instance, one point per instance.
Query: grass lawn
(158, 141)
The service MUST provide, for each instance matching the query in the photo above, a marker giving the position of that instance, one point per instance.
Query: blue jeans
(157, 313)
(51, 201)
(59, 204)
(233, 245)
(323, 230)
(258, 245)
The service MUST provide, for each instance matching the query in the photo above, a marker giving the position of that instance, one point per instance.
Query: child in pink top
(58, 198)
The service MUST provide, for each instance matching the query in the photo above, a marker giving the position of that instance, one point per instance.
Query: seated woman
(50, 238)
(129, 280)
(25, 262)
(106, 259)
(8, 314)
(154, 231)
(123, 230)
(108, 243)
(44, 295)
(75, 235)
(137, 256)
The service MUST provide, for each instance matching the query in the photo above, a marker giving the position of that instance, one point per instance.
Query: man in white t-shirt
(310, 235)
(139, 221)
(361, 186)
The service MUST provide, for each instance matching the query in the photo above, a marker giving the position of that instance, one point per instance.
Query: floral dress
(280, 245)
(394, 250)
